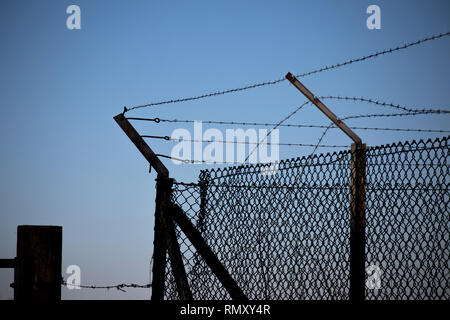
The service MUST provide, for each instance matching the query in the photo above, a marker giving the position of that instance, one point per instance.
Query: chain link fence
(285, 235)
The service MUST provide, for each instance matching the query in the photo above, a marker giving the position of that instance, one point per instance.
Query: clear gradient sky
(64, 161)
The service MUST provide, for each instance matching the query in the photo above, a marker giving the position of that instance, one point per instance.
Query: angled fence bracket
(316, 101)
(357, 197)
(165, 240)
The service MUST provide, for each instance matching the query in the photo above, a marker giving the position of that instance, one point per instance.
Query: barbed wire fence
(286, 237)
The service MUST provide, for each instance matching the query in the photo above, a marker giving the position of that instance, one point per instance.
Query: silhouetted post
(162, 194)
(358, 193)
(172, 245)
(357, 222)
(203, 200)
(37, 274)
(159, 242)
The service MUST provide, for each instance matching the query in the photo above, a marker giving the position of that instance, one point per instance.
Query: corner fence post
(161, 204)
(203, 183)
(173, 247)
(357, 222)
(37, 273)
(159, 244)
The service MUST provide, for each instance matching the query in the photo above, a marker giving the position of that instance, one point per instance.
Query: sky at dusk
(64, 160)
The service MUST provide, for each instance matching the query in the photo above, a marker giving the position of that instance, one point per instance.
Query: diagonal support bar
(176, 261)
(349, 132)
(173, 247)
(207, 254)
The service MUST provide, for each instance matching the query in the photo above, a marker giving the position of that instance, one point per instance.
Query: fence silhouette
(319, 228)
(287, 235)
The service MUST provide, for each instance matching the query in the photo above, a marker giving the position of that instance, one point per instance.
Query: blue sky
(64, 161)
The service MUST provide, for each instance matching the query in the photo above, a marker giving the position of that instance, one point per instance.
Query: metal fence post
(358, 192)
(173, 247)
(203, 183)
(357, 222)
(166, 242)
(159, 244)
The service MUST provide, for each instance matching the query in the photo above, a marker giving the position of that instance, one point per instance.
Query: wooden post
(37, 275)
(357, 222)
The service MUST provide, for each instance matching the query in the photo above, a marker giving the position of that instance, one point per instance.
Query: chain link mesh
(286, 235)
(407, 232)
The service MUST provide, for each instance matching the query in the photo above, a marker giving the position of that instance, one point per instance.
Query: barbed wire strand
(293, 125)
(381, 103)
(193, 161)
(321, 137)
(266, 83)
(119, 287)
(167, 138)
(361, 99)
(374, 115)
(408, 111)
(275, 127)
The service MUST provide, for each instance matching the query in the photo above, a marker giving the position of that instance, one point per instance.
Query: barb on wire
(413, 113)
(266, 83)
(119, 287)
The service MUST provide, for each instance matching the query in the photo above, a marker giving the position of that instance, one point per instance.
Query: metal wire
(293, 125)
(375, 115)
(167, 138)
(408, 111)
(119, 287)
(317, 145)
(275, 127)
(267, 83)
